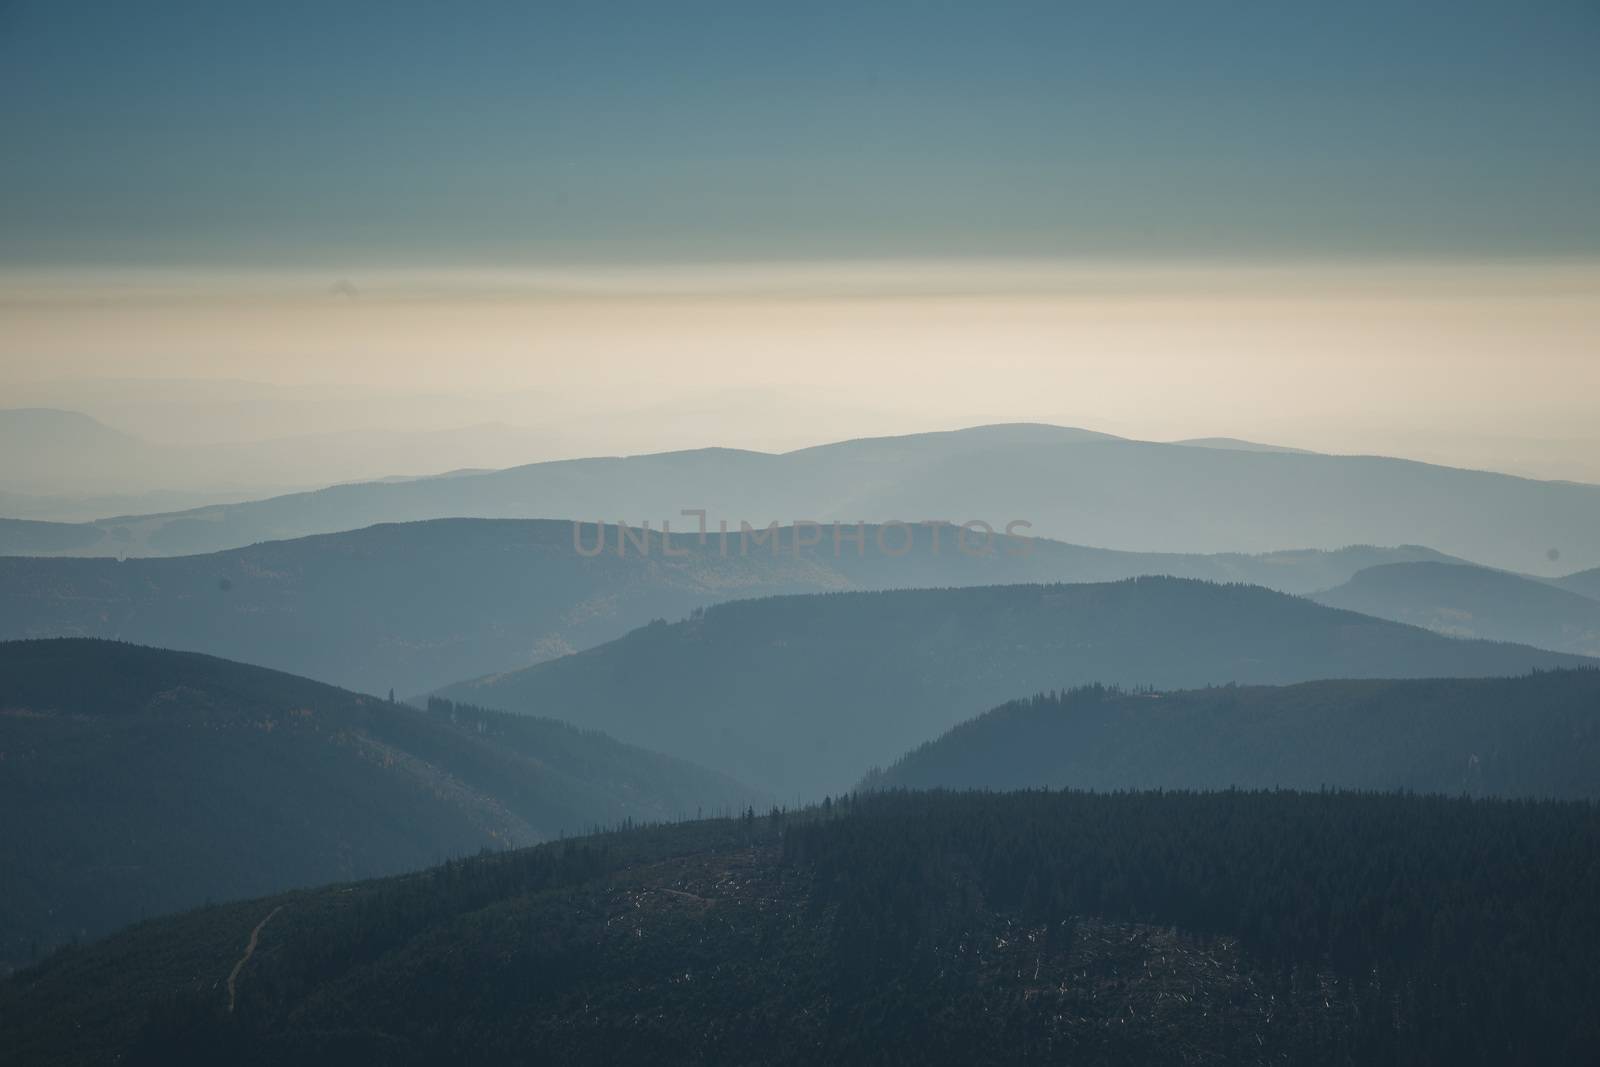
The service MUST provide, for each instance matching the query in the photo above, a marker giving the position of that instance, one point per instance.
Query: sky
(1357, 227)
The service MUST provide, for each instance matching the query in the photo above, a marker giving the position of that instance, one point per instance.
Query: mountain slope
(1468, 601)
(1238, 445)
(75, 510)
(909, 928)
(1584, 583)
(806, 693)
(417, 605)
(36, 537)
(138, 780)
(1070, 485)
(1537, 735)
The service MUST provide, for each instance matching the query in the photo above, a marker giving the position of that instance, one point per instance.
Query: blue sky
(434, 133)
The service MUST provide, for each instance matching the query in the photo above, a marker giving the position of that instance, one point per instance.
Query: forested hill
(804, 694)
(136, 781)
(1537, 736)
(1469, 601)
(1171, 928)
(418, 605)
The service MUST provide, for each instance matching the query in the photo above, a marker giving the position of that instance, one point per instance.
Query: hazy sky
(183, 132)
(1365, 227)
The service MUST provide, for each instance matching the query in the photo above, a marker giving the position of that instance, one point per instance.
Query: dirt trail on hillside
(249, 950)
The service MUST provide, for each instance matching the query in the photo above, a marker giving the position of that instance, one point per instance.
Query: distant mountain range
(417, 605)
(1586, 583)
(1072, 485)
(802, 695)
(1241, 446)
(1468, 601)
(137, 781)
(1537, 735)
(63, 510)
(57, 464)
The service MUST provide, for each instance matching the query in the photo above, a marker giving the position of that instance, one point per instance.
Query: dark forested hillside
(1071, 484)
(136, 781)
(1537, 736)
(419, 605)
(803, 694)
(1467, 601)
(1151, 928)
